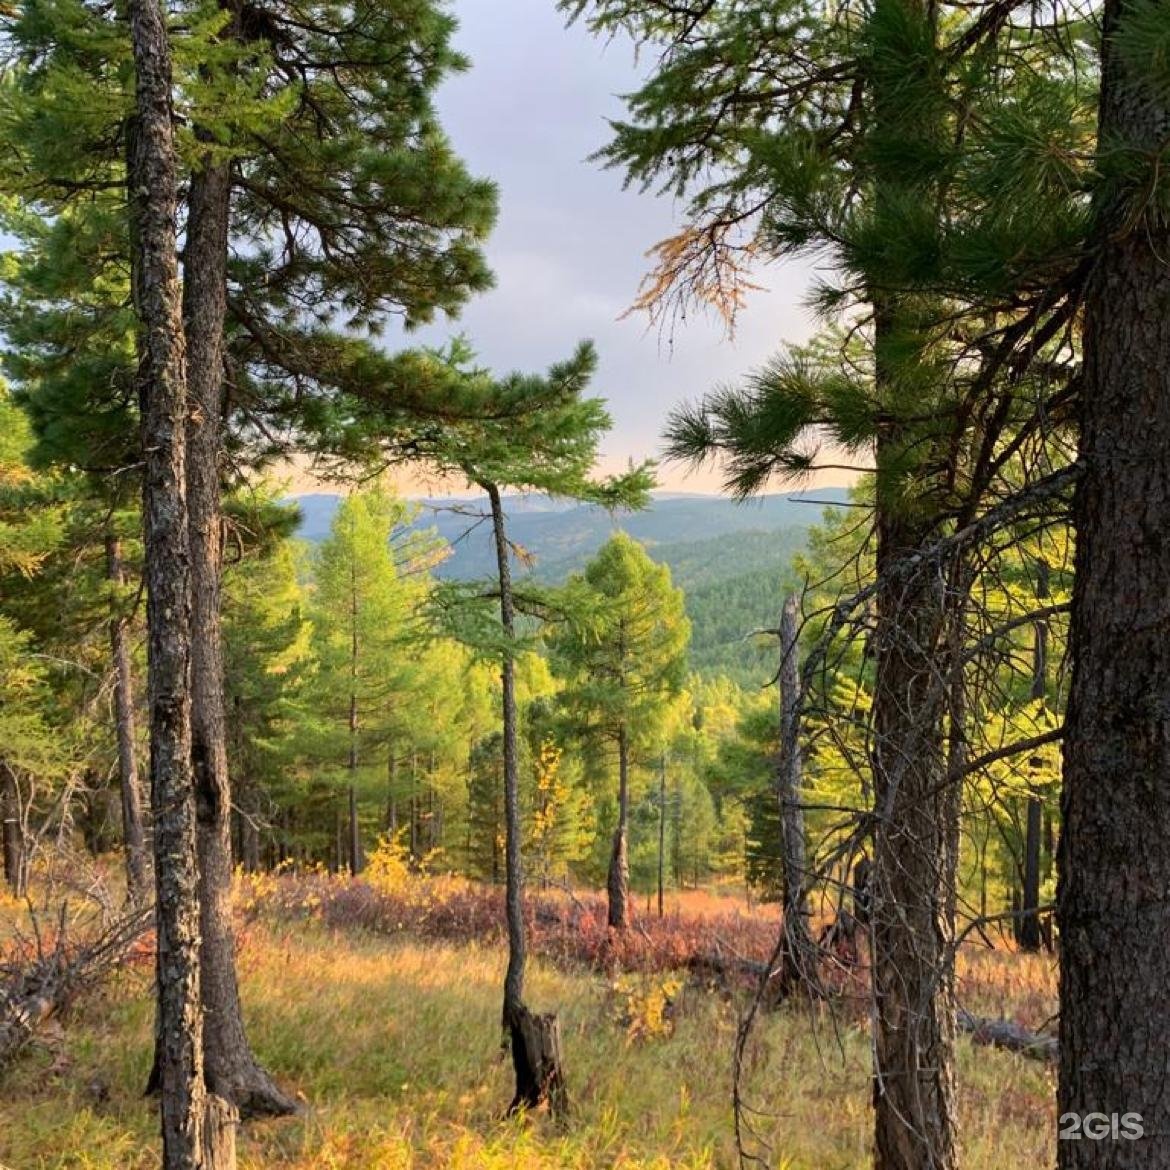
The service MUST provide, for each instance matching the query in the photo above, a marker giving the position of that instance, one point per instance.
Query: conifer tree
(1114, 856)
(538, 434)
(789, 130)
(322, 197)
(153, 191)
(623, 656)
(365, 637)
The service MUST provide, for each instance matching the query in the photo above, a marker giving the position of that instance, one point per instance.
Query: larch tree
(539, 434)
(623, 656)
(365, 639)
(1114, 853)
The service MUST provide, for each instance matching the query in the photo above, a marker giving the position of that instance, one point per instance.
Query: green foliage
(622, 653)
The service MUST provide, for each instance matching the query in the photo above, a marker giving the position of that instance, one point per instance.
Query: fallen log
(35, 989)
(1008, 1035)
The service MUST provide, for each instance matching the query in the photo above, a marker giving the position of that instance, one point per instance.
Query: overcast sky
(569, 248)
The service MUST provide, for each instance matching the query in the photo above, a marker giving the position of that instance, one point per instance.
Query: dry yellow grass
(394, 1046)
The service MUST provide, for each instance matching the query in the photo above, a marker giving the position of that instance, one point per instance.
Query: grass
(392, 1042)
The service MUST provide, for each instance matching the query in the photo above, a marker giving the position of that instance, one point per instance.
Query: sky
(569, 249)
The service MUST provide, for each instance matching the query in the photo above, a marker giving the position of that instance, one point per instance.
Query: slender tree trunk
(133, 829)
(1029, 932)
(798, 962)
(618, 884)
(662, 836)
(231, 1069)
(355, 851)
(12, 831)
(162, 392)
(1114, 851)
(535, 1040)
(392, 795)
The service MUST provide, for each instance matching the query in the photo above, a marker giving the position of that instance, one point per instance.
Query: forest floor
(380, 1010)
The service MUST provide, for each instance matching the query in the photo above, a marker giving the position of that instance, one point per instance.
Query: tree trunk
(12, 832)
(162, 391)
(355, 859)
(231, 1069)
(618, 884)
(535, 1040)
(1029, 930)
(913, 875)
(798, 956)
(392, 795)
(1114, 851)
(662, 836)
(133, 830)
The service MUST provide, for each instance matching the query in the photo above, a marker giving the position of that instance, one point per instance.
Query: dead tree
(798, 954)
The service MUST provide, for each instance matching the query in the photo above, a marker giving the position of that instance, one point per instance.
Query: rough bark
(618, 881)
(12, 831)
(535, 1040)
(162, 393)
(133, 828)
(231, 1069)
(915, 849)
(798, 962)
(1114, 851)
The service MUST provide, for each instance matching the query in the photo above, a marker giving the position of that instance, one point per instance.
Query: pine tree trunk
(913, 874)
(133, 830)
(1114, 851)
(618, 884)
(162, 391)
(12, 831)
(535, 1040)
(231, 1069)
(798, 957)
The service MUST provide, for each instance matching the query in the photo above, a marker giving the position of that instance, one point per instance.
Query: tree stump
(539, 1065)
(219, 1134)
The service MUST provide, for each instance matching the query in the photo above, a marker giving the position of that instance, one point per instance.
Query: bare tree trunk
(798, 956)
(392, 795)
(618, 884)
(1029, 929)
(662, 836)
(12, 831)
(1114, 851)
(162, 389)
(231, 1069)
(133, 830)
(535, 1040)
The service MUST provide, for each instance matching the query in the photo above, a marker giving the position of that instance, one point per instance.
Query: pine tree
(162, 389)
(1114, 851)
(788, 132)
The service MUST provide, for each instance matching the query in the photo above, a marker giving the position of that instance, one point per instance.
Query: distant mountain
(563, 536)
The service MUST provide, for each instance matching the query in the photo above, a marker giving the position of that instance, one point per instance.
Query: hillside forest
(555, 819)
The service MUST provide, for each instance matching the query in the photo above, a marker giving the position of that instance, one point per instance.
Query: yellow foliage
(645, 1005)
(388, 867)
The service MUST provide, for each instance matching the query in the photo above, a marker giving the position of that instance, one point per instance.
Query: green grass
(393, 1045)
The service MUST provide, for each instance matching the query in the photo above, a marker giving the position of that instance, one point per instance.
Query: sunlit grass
(393, 1045)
